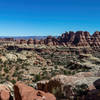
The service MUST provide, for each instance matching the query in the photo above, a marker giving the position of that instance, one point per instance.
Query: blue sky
(48, 17)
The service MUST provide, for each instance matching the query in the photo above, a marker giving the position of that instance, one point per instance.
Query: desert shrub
(96, 62)
(44, 68)
(19, 78)
(7, 78)
(66, 72)
(55, 90)
(56, 67)
(0, 68)
(13, 81)
(81, 90)
(25, 64)
(0, 61)
(19, 60)
(17, 68)
(37, 77)
(6, 69)
(0, 76)
(15, 74)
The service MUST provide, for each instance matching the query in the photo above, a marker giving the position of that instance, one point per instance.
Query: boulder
(94, 91)
(97, 84)
(24, 92)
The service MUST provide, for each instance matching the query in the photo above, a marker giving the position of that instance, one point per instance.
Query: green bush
(6, 70)
(81, 90)
(13, 81)
(37, 77)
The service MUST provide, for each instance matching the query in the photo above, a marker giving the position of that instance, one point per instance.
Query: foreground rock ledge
(4, 92)
(24, 92)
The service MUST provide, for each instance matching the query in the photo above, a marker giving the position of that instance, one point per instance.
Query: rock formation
(5, 93)
(96, 39)
(24, 92)
(79, 38)
(23, 41)
(65, 85)
(30, 41)
(69, 87)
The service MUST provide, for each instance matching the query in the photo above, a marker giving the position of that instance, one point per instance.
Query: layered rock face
(50, 40)
(80, 38)
(96, 39)
(87, 37)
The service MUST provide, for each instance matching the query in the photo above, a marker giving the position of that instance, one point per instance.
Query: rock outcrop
(30, 41)
(96, 40)
(5, 92)
(80, 39)
(94, 93)
(23, 41)
(67, 86)
(24, 92)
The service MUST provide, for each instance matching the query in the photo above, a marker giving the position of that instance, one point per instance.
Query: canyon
(65, 67)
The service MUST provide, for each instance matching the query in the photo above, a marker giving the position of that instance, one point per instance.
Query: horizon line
(46, 35)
